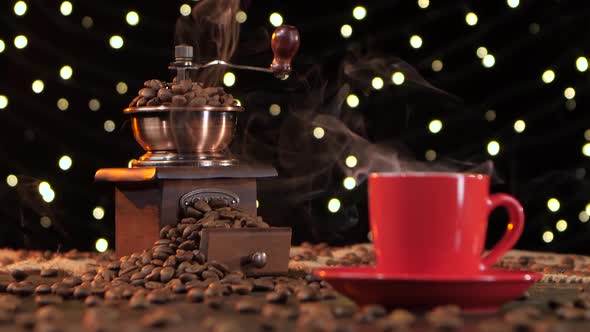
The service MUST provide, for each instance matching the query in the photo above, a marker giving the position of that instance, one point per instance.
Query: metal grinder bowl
(184, 136)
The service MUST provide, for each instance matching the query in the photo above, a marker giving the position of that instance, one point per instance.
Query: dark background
(544, 161)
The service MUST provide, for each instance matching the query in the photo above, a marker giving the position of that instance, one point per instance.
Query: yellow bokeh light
(437, 65)
(275, 19)
(94, 105)
(3, 102)
(583, 216)
(346, 31)
(513, 3)
(398, 78)
(471, 19)
(349, 183)
(318, 132)
(66, 8)
(274, 110)
(66, 72)
(98, 213)
(45, 222)
(569, 93)
(553, 204)
(334, 205)
(185, 10)
(2, 46)
(121, 88)
(12, 180)
(229, 79)
(132, 18)
(20, 8)
(241, 16)
(101, 245)
(63, 104)
(416, 41)
(481, 52)
(46, 192)
(351, 161)
(435, 126)
(423, 3)
(548, 76)
(359, 12)
(519, 126)
(488, 61)
(582, 64)
(65, 162)
(493, 148)
(548, 236)
(586, 134)
(377, 83)
(116, 42)
(38, 86)
(561, 225)
(352, 100)
(109, 126)
(430, 155)
(586, 150)
(20, 41)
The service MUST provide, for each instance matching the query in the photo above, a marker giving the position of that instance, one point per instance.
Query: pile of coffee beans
(183, 93)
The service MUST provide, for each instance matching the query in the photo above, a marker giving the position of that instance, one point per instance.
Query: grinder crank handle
(284, 44)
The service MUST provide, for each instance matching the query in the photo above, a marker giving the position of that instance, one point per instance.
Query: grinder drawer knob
(257, 260)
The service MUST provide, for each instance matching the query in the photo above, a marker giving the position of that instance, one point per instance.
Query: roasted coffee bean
(81, 292)
(147, 93)
(370, 313)
(202, 206)
(193, 213)
(210, 275)
(18, 275)
(48, 272)
(199, 257)
(220, 266)
(247, 306)
(23, 288)
(164, 231)
(154, 102)
(195, 295)
(179, 100)
(71, 281)
(154, 84)
(87, 277)
(139, 301)
(187, 245)
(343, 311)
(313, 322)
(43, 289)
(153, 285)
(25, 320)
(307, 294)
(179, 289)
(184, 256)
(277, 297)
(49, 314)
(197, 101)
(141, 101)
(133, 103)
(522, 315)
(161, 317)
(244, 288)
(165, 95)
(275, 311)
(158, 296)
(186, 277)
(42, 300)
(190, 229)
(166, 273)
(92, 301)
(570, 313)
(264, 284)
(195, 268)
(328, 294)
(154, 275)
(214, 302)
(398, 319)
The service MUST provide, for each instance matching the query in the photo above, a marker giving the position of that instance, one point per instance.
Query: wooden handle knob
(285, 43)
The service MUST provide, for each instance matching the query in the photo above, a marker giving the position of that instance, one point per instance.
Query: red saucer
(484, 292)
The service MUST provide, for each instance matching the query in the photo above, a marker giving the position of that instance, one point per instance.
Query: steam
(213, 32)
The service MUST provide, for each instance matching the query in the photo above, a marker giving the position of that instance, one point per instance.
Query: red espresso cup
(435, 223)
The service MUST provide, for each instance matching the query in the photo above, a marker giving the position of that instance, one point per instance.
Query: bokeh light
(121, 88)
(66, 8)
(435, 126)
(416, 41)
(377, 83)
(132, 18)
(87, 22)
(349, 183)
(66, 72)
(116, 42)
(46, 192)
(351, 161)
(45, 222)
(274, 110)
(346, 31)
(437, 65)
(20, 8)
(430, 155)
(3, 102)
(2, 46)
(548, 76)
(553, 204)
(38, 86)
(109, 126)
(561, 225)
(20, 42)
(519, 126)
(423, 3)
(359, 12)
(101, 245)
(12, 180)
(582, 64)
(481, 52)
(94, 105)
(583, 216)
(488, 61)
(241, 16)
(229, 79)
(65, 162)
(569, 93)
(334, 205)
(398, 78)
(275, 19)
(352, 100)
(513, 3)
(547, 236)
(586, 150)
(63, 104)
(471, 19)
(185, 10)
(98, 213)
(493, 148)
(318, 132)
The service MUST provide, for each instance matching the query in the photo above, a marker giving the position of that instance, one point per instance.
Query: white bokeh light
(101, 245)
(98, 212)
(2, 46)
(94, 105)
(318, 132)
(553, 204)
(63, 104)
(38, 86)
(20, 41)
(109, 126)
(548, 76)
(349, 183)
(12, 180)
(3, 102)
(435, 126)
(229, 79)
(377, 83)
(275, 19)
(488, 61)
(334, 205)
(351, 161)
(471, 19)
(185, 10)
(519, 126)
(398, 78)
(66, 8)
(241, 16)
(116, 42)
(359, 12)
(66, 72)
(437, 65)
(121, 88)
(493, 148)
(561, 225)
(132, 18)
(352, 100)
(20, 8)
(416, 41)
(423, 3)
(569, 93)
(513, 3)
(548, 236)
(582, 64)
(65, 162)
(481, 52)
(346, 31)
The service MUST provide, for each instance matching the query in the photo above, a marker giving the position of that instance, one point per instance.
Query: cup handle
(513, 230)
